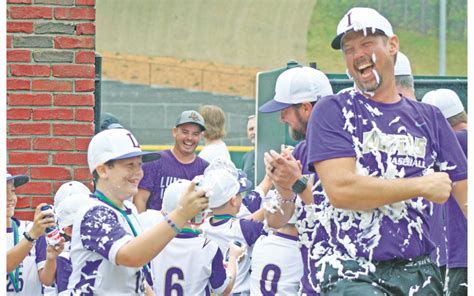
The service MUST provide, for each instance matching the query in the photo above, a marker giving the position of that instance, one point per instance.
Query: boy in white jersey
(28, 262)
(109, 251)
(225, 201)
(277, 266)
(191, 264)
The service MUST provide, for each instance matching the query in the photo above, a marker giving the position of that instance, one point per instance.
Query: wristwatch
(300, 184)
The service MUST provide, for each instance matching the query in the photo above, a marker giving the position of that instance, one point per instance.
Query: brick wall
(50, 85)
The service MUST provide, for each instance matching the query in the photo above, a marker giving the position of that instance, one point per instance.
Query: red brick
(68, 129)
(51, 85)
(35, 188)
(9, 41)
(53, 144)
(18, 144)
(84, 85)
(73, 42)
(18, 84)
(30, 70)
(85, 57)
(19, 1)
(30, 100)
(82, 174)
(28, 158)
(18, 170)
(18, 56)
(31, 12)
(20, 27)
(70, 158)
(85, 114)
(74, 100)
(80, 71)
(52, 114)
(50, 173)
(85, 29)
(74, 13)
(82, 143)
(29, 128)
(85, 2)
(25, 215)
(23, 202)
(37, 200)
(19, 114)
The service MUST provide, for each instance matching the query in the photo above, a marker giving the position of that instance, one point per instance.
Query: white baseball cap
(114, 144)
(68, 208)
(361, 18)
(402, 65)
(18, 180)
(446, 100)
(221, 186)
(68, 189)
(295, 86)
(173, 193)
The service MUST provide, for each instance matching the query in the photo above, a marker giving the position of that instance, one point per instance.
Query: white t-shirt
(277, 266)
(213, 151)
(28, 282)
(99, 231)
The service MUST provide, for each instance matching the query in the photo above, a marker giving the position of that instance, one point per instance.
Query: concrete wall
(239, 32)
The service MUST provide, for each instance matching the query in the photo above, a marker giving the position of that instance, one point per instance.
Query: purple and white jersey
(99, 231)
(158, 174)
(228, 230)
(28, 281)
(389, 141)
(276, 265)
(189, 265)
(63, 269)
(456, 223)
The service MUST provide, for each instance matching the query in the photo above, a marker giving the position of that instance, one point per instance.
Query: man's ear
(307, 107)
(394, 45)
(174, 131)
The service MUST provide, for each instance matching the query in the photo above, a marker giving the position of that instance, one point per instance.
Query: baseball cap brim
(244, 182)
(336, 42)
(18, 180)
(273, 106)
(146, 156)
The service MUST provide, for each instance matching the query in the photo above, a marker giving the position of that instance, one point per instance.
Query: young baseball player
(223, 227)
(30, 262)
(277, 265)
(180, 162)
(382, 160)
(191, 264)
(109, 251)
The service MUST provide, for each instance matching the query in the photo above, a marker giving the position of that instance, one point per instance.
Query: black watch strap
(28, 237)
(300, 184)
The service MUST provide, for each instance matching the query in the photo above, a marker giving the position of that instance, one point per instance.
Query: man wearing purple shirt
(456, 278)
(382, 160)
(296, 92)
(180, 162)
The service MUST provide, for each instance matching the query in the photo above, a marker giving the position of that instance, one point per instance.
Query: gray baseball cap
(191, 116)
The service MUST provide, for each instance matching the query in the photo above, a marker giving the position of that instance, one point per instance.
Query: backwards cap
(402, 65)
(295, 86)
(446, 100)
(173, 193)
(68, 189)
(361, 18)
(66, 211)
(222, 186)
(114, 144)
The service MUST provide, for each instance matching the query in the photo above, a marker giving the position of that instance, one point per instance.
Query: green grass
(421, 50)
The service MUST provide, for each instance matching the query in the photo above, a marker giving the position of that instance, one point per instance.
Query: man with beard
(179, 162)
(382, 160)
(296, 92)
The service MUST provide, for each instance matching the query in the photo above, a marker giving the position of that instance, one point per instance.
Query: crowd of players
(372, 200)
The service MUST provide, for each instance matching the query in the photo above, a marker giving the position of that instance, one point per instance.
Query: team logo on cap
(194, 116)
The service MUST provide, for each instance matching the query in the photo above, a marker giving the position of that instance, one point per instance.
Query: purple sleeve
(149, 176)
(327, 137)
(462, 139)
(450, 151)
(252, 201)
(251, 230)
(40, 249)
(100, 229)
(63, 271)
(218, 275)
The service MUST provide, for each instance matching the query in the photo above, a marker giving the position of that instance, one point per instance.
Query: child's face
(11, 199)
(123, 177)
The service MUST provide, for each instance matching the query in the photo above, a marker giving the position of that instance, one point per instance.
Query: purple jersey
(389, 141)
(301, 153)
(456, 224)
(158, 174)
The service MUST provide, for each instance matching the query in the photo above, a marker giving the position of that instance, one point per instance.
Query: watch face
(299, 185)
